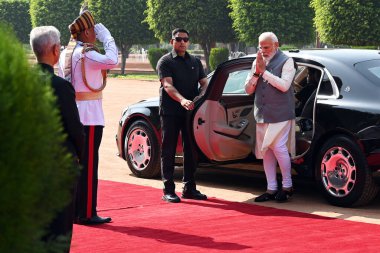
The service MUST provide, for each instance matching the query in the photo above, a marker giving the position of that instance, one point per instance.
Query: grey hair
(268, 35)
(42, 38)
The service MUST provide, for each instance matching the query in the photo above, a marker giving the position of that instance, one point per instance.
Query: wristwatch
(256, 75)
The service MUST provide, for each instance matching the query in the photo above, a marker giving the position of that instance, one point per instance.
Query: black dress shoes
(171, 197)
(284, 195)
(265, 197)
(94, 220)
(193, 194)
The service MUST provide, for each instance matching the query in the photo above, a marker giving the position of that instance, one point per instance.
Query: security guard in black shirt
(179, 73)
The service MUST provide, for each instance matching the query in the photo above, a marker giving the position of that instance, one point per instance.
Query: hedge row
(154, 54)
(16, 15)
(217, 56)
(35, 170)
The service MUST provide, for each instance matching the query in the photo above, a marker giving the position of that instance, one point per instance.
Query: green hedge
(288, 47)
(217, 56)
(59, 13)
(16, 14)
(154, 54)
(366, 47)
(35, 170)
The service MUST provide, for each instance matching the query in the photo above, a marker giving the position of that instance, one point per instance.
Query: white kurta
(268, 133)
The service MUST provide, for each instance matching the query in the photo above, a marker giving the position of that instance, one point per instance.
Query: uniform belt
(82, 96)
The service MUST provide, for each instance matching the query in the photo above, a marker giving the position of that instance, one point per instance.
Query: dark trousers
(61, 228)
(87, 191)
(171, 126)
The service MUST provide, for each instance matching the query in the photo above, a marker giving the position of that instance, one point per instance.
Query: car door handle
(200, 121)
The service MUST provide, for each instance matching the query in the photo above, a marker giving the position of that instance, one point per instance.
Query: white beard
(267, 59)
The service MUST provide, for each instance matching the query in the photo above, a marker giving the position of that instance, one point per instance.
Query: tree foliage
(124, 19)
(36, 171)
(16, 14)
(349, 22)
(59, 13)
(154, 54)
(218, 56)
(207, 21)
(290, 20)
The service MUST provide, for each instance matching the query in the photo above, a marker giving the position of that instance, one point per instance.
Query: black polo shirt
(186, 72)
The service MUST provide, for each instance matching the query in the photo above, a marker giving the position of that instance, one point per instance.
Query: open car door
(223, 124)
(306, 83)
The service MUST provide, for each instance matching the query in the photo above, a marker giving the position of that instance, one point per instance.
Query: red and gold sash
(68, 59)
(88, 47)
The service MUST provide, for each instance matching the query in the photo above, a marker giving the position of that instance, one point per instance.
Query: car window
(326, 86)
(235, 82)
(370, 69)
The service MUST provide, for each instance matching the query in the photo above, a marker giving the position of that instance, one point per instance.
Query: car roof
(324, 56)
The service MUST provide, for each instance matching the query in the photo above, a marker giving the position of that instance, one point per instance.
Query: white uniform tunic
(90, 111)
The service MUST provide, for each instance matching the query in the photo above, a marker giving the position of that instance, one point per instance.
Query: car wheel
(142, 150)
(343, 174)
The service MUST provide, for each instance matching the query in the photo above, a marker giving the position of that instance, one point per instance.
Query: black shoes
(265, 197)
(280, 196)
(284, 195)
(171, 197)
(93, 220)
(193, 194)
(188, 194)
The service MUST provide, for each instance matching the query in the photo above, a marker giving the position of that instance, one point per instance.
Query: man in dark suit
(45, 42)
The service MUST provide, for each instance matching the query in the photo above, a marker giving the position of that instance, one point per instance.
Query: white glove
(102, 33)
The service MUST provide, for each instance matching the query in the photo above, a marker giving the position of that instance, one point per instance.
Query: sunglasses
(179, 39)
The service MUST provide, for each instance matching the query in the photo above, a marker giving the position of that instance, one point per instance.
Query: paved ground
(226, 184)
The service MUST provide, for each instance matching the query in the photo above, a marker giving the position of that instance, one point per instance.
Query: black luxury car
(337, 102)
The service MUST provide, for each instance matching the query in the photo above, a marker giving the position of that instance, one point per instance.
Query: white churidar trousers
(272, 141)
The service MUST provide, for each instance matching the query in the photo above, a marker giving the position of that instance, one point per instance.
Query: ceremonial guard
(83, 64)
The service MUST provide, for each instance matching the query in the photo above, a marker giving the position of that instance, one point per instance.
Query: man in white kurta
(271, 78)
(86, 67)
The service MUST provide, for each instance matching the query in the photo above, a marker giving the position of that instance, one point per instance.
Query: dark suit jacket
(65, 94)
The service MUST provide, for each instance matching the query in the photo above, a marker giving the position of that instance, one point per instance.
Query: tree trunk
(206, 46)
(124, 55)
(317, 41)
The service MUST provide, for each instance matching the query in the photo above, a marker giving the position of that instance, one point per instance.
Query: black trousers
(171, 126)
(61, 227)
(87, 191)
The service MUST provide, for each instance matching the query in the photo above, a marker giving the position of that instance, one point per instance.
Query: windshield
(370, 69)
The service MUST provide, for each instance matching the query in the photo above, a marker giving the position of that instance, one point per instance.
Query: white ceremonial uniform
(90, 111)
(89, 102)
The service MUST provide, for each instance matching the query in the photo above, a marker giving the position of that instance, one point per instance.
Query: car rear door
(223, 124)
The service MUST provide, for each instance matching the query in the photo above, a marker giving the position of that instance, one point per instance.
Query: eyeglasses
(179, 39)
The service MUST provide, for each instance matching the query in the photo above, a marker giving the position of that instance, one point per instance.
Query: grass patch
(136, 76)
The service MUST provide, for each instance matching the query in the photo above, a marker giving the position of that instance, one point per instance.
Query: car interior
(305, 87)
(224, 126)
(306, 82)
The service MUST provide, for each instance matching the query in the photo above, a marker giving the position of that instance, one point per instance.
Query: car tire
(343, 174)
(142, 150)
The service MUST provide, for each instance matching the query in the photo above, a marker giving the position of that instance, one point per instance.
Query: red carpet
(144, 223)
